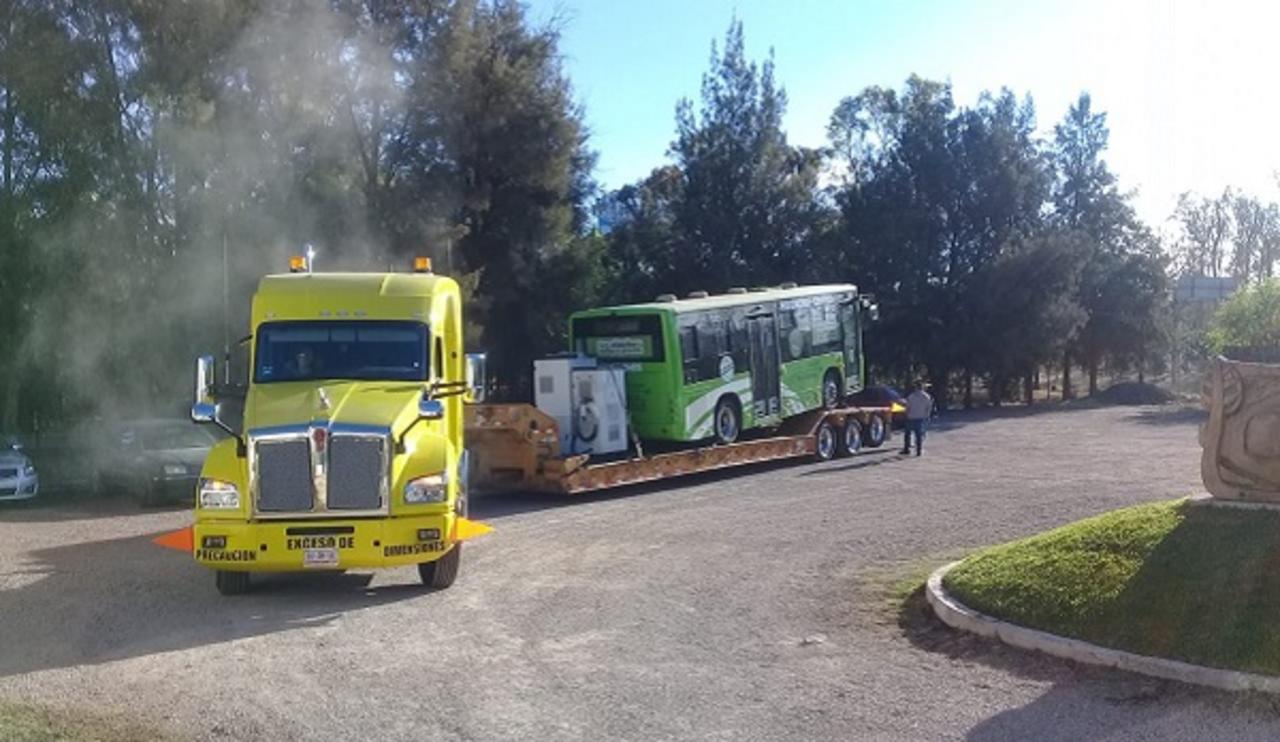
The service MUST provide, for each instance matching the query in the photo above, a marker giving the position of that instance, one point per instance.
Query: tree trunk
(1029, 389)
(940, 381)
(995, 390)
(1093, 375)
(1142, 364)
(1066, 376)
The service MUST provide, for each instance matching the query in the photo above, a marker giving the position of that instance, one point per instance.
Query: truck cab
(351, 452)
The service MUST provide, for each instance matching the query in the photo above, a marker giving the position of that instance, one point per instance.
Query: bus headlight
(218, 495)
(432, 488)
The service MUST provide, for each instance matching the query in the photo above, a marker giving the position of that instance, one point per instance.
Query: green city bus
(713, 366)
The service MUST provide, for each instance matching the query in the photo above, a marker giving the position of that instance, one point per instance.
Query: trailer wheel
(441, 573)
(826, 442)
(852, 438)
(231, 583)
(831, 389)
(728, 420)
(873, 436)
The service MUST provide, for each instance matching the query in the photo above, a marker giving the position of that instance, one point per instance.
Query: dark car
(883, 396)
(154, 461)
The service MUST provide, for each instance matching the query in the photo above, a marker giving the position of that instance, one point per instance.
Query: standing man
(919, 408)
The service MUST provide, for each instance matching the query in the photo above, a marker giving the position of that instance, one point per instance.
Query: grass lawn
(23, 723)
(1197, 584)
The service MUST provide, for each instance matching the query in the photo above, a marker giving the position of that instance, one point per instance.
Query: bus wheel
(825, 443)
(728, 420)
(874, 434)
(852, 438)
(231, 583)
(442, 572)
(831, 389)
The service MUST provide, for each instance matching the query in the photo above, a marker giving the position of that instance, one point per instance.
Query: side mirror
(430, 409)
(874, 312)
(477, 377)
(204, 409)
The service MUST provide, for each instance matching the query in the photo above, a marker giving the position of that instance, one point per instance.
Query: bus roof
(723, 301)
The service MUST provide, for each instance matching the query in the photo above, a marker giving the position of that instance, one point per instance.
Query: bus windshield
(630, 338)
(341, 349)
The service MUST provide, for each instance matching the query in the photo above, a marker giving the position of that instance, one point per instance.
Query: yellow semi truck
(350, 454)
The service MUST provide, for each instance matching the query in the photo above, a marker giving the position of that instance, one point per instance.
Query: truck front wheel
(442, 572)
(231, 583)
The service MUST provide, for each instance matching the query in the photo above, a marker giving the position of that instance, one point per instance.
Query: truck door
(852, 344)
(762, 336)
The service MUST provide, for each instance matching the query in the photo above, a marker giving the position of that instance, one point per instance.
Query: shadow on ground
(1169, 415)
(101, 601)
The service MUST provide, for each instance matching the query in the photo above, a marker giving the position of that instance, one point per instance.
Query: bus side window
(689, 352)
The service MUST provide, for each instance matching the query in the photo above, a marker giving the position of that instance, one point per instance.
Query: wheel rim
(830, 392)
(727, 424)
(877, 428)
(853, 437)
(826, 442)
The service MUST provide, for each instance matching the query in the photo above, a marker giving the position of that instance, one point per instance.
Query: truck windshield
(341, 349)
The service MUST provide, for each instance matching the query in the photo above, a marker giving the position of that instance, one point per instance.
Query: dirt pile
(1133, 393)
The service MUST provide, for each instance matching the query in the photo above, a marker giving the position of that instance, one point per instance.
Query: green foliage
(1166, 579)
(157, 158)
(1249, 319)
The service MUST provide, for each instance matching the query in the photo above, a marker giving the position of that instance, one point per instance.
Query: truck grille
(8, 473)
(284, 476)
(356, 467)
(349, 477)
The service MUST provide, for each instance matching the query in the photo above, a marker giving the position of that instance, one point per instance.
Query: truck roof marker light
(464, 529)
(298, 264)
(422, 264)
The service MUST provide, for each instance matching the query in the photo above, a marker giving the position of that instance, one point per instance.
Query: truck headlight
(432, 488)
(174, 470)
(29, 470)
(218, 495)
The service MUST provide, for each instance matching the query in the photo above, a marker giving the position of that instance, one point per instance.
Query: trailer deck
(515, 448)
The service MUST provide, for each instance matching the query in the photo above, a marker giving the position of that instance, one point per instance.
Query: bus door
(762, 338)
(852, 344)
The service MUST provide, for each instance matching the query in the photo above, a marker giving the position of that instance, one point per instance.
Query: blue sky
(1188, 87)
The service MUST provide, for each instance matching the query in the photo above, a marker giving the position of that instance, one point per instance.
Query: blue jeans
(917, 427)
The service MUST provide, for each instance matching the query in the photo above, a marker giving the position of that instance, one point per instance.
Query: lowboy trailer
(516, 448)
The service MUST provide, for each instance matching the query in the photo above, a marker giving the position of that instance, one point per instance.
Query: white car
(18, 479)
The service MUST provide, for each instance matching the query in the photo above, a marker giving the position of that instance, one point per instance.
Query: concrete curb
(959, 616)
(1209, 501)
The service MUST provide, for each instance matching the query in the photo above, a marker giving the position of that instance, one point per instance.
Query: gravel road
(747, 607)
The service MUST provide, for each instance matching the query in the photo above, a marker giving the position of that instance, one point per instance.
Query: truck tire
(231, 583)
(852, 439)
(441, 573)
(831, 391)
(727, 420)
(826, 441)
(874, 434)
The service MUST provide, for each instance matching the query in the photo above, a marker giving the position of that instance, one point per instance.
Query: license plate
(320, 558)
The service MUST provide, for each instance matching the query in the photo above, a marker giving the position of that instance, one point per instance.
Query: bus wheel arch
(726, 421)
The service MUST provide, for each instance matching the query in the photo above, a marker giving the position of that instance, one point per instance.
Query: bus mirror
(477, 377)
(873, 312)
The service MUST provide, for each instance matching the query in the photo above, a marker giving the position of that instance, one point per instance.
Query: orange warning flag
(464, 529)
(183, 540)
